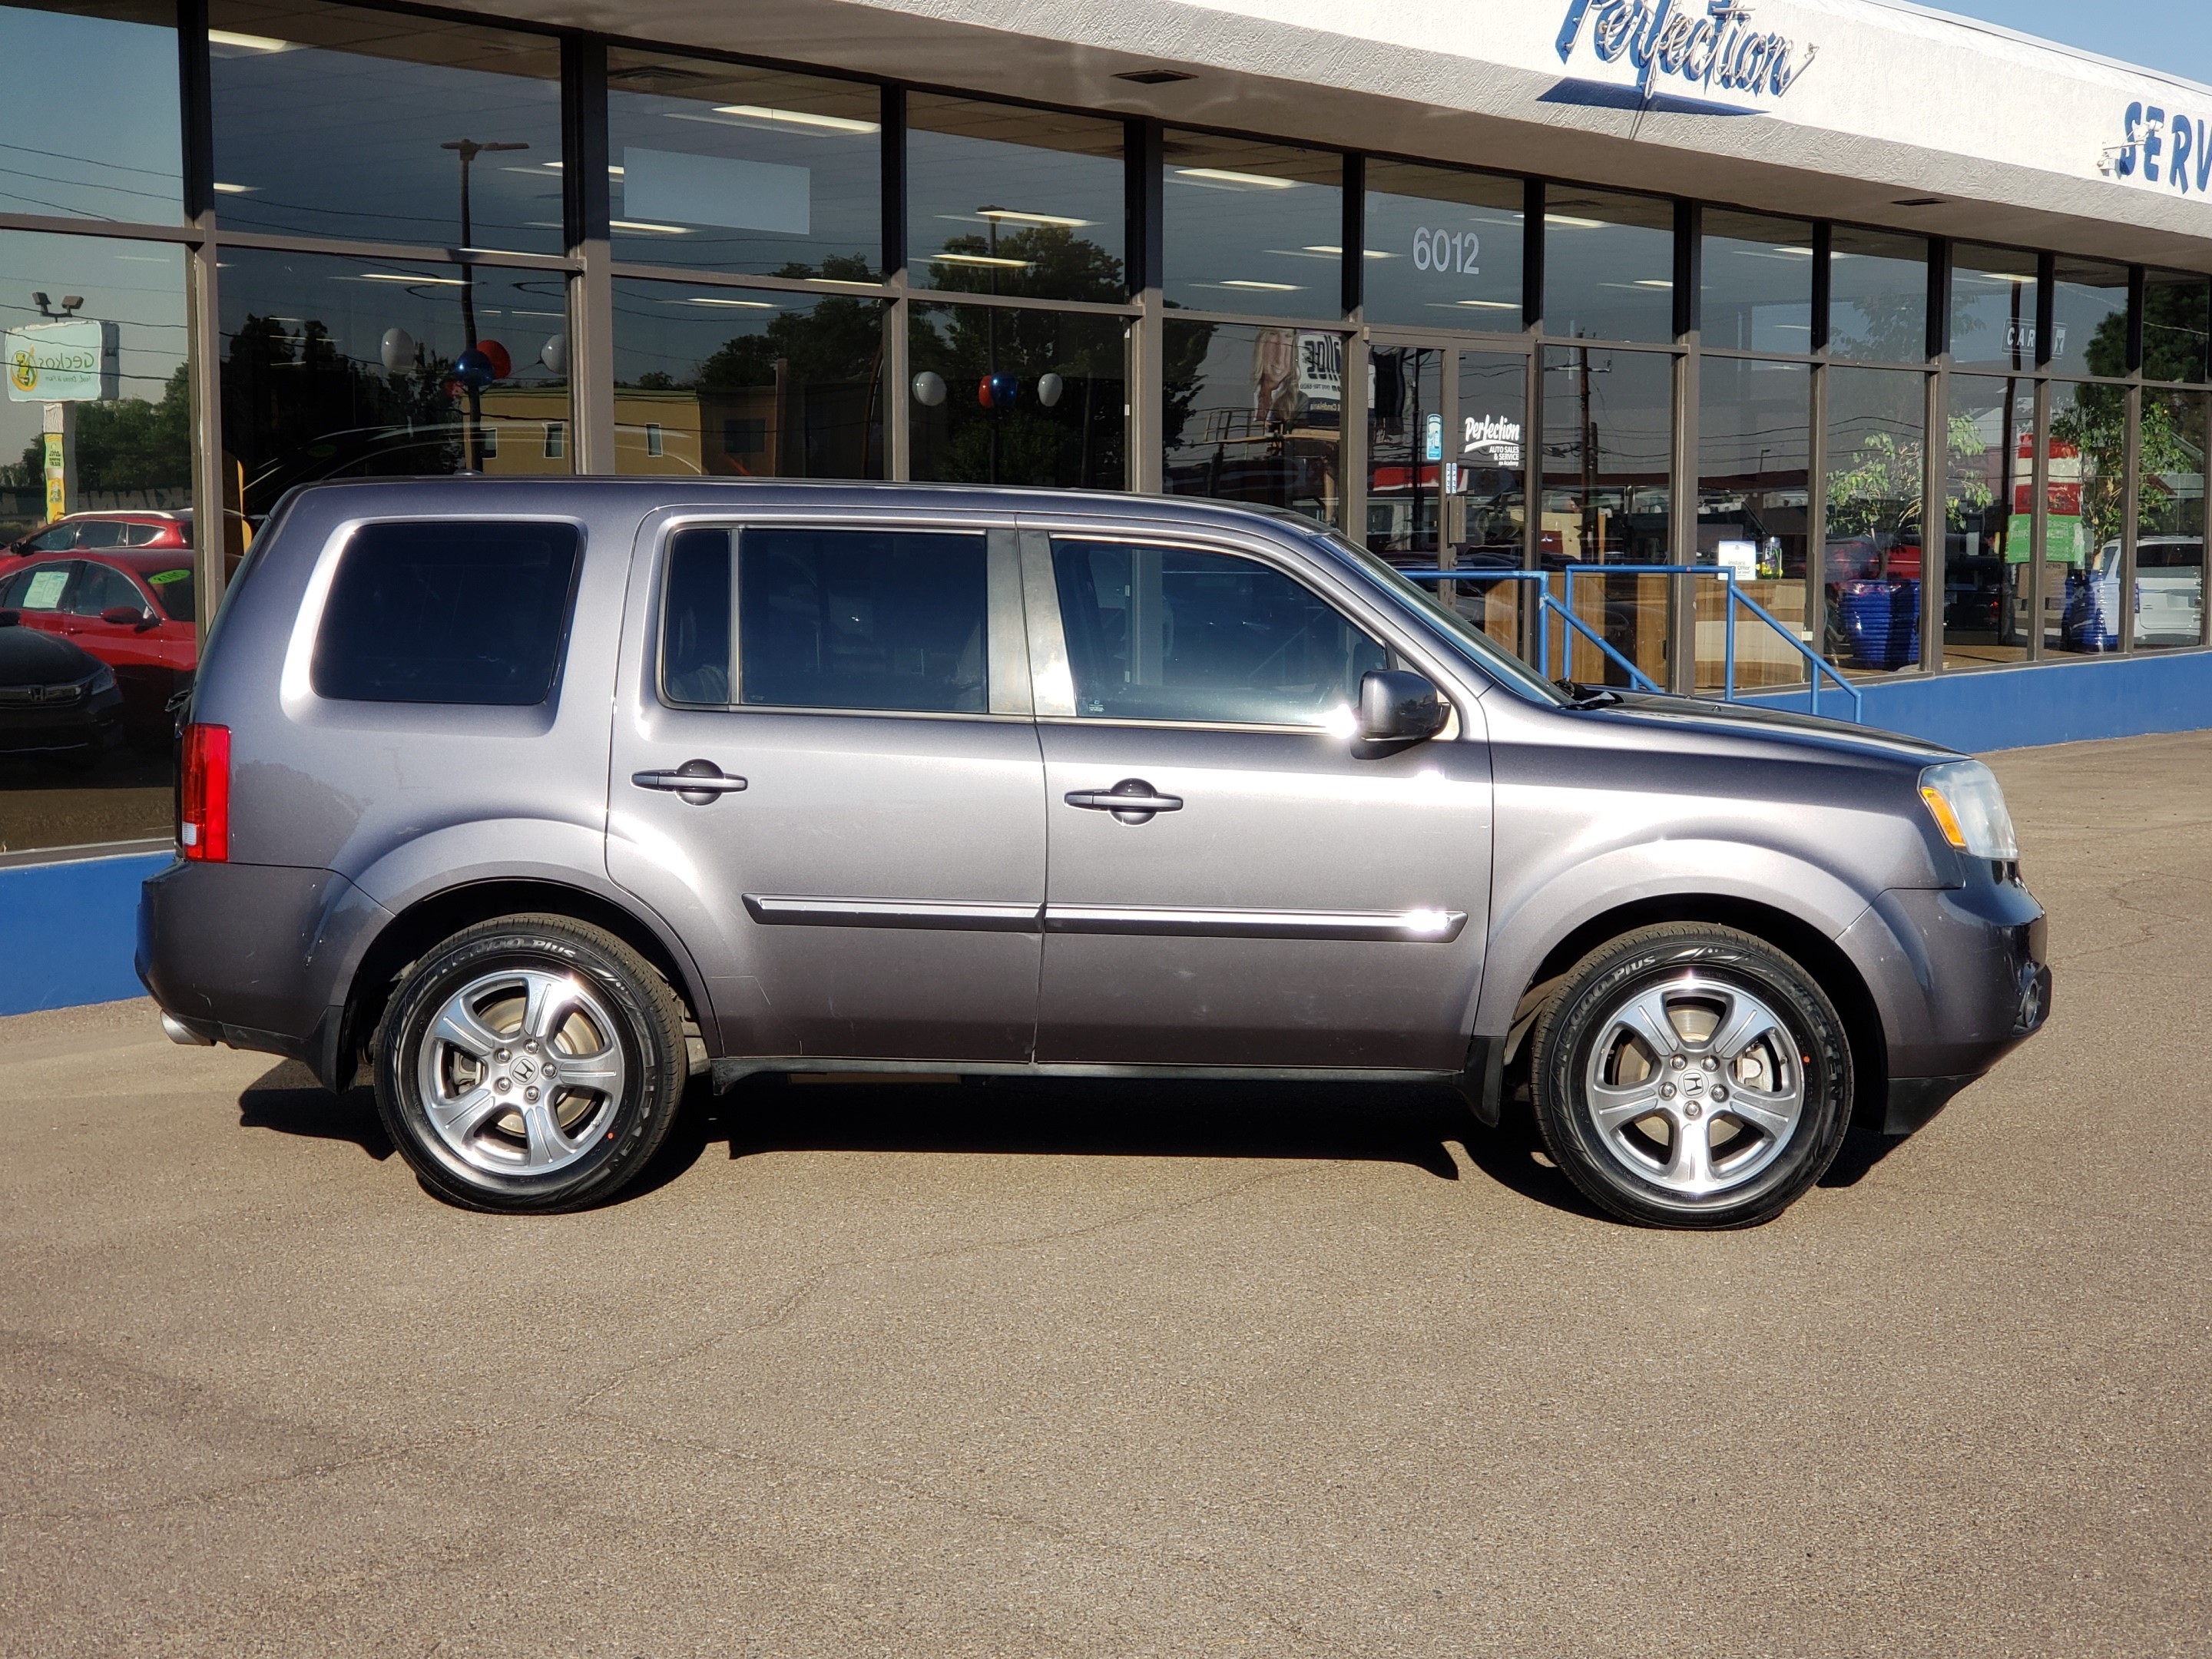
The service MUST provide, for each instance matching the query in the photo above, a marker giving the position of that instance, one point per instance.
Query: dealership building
(1739, 348)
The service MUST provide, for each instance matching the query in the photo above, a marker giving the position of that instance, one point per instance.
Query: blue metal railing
(1548, 606)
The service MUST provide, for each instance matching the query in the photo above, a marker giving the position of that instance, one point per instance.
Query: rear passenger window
(865, 619)
(460, 611)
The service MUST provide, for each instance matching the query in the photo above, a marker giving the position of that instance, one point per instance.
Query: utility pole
(473, 421)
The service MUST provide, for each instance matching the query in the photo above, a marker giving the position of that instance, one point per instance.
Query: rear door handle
(696, 782)
(1130, 801)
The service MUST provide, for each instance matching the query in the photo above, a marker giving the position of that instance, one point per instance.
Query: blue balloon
(1003, 389)
(474, 369)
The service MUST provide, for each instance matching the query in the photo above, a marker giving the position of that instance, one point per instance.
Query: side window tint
(53, 541)
(863, 619)
(1172, 633)
(100, 532)
(695, 637)
(173, 588)
(451, 611)
(101, 587)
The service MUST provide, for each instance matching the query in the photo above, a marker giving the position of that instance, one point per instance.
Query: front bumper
(1960, 977)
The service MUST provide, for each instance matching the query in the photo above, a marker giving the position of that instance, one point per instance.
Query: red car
(130, 607)
(135, 528)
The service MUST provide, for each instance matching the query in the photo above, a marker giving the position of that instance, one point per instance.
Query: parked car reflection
(128, 608)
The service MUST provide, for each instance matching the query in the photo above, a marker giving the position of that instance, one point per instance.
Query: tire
(462, 1050)
(1745, 1090)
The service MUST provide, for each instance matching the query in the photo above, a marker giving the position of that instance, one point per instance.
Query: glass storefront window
(722, 166)
(1405, 452)
(1254, 414)
(334, 121)
(1872, 560)
(2089, 328)
(2170, 521)
(1989, 495)
(1253, 227)
(1444, 248)
(95, 471)
(1755, 432)
(1757, 283)
(1877, 296)
(126, 163)
(2087, 497)
(746, 384)
(1003, 199)
(2177, 327)
(1608, 494)
(1010, 396)
(1608, 265)
(337, 367)
(1993, 306)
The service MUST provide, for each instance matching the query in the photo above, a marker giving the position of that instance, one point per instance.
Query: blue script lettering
(1719, 48)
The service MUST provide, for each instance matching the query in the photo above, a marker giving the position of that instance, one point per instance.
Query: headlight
(1969, 808)
(102, 681)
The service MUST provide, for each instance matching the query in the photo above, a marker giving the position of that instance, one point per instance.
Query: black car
(54, 696)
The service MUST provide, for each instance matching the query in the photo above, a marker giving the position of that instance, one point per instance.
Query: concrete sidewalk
(924, 1370)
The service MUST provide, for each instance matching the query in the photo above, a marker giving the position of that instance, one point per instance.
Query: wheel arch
(1793, 935)
(437, 915)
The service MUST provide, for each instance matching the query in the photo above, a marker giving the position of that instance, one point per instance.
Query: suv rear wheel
(532, 1063)
(1689, 1076)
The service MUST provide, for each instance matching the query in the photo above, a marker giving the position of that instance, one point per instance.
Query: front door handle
(1130, 801)
(696, 783)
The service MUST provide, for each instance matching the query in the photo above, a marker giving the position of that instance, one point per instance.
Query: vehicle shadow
(288, 1099)
(1100, 1118)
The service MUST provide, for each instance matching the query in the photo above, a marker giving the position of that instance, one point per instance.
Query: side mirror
(1398, 706)
(123, 615)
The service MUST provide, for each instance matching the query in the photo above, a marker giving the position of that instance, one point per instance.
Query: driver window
(1175, 633)
(102, 588)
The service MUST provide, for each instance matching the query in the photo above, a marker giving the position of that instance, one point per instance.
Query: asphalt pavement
(928, 1369)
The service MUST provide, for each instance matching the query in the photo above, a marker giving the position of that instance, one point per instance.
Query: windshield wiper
(1589, 696)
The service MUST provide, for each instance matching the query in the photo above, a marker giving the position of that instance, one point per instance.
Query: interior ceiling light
(222, 189)
(648, 225)
(1154, 77)
(1032, 218)
(1338, 253)
(246, 42)
(1653, 282)
(1223, 176)
(991, 260)
(396, 276)
(1266, 288)
(734, 305)
(1489, 305)
(797, 117)
(1570, 222)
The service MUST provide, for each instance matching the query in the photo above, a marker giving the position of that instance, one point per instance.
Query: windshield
(1498, 662)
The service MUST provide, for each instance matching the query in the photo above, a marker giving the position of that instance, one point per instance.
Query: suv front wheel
(533, 1063)
(1690, 1076)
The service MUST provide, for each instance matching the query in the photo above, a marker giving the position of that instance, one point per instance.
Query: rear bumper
(251, 954)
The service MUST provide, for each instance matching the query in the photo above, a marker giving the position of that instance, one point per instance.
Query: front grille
(40, 696)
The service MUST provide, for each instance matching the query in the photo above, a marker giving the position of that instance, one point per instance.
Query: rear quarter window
(470, 611)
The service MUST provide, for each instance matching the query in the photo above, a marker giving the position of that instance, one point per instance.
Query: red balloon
(502, 364)
(983, 391)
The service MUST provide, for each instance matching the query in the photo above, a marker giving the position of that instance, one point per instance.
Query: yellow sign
(56, 480)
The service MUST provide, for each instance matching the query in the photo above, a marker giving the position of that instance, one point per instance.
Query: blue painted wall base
(2022, 707)
(67, 932)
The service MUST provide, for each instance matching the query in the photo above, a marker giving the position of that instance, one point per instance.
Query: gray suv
(540, 797)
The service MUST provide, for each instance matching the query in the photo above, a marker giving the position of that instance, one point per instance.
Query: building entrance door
(1447, 470)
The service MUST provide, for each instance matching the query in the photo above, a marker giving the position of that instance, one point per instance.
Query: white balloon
(397, 351)
(929, 388)
(554, 353)
(1049, 387)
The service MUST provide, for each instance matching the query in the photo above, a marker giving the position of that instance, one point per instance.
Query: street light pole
(472, 421)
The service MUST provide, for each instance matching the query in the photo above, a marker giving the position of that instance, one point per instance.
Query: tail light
(203, 816)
